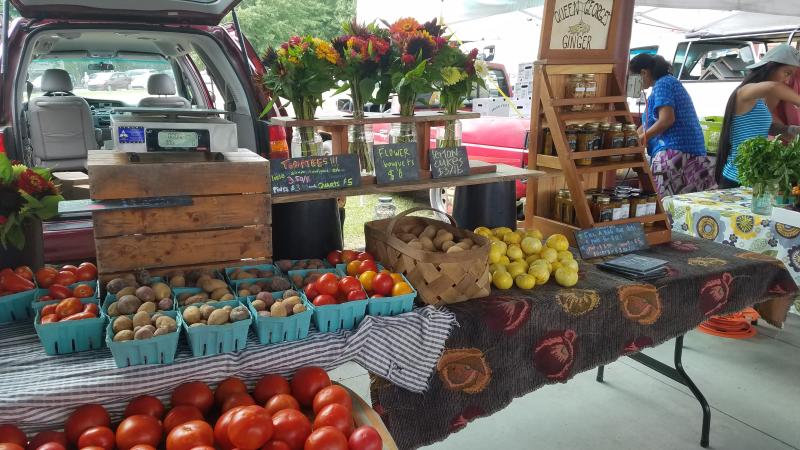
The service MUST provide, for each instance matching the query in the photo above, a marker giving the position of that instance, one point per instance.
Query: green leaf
(6, 173)
(343, 88)
(267, 108)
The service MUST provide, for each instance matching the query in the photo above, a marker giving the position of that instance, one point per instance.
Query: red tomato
(57, 446)
(326, 438)
(68, 307)
(227, 387)
(11, 434)
(311, 290)
(349, 255)
(59, 292)
(147, 405)
(50, 318)
(45, 298)
(337, 416)
(194, 393)
(291, 427)
(85, 417)
(276, 445)
(69, 268)
(270, 386)
(335, 257)
(48, 309)
(65, 278)
(91, 308)
(138, 429)
(322, 300)
(348, 283)
(332, 394)
(86, 271)
(221, 429)
(142, 447)
(356, 295)
(365, 256)
(250, 428)
(280, 402)
(204, 447)
(367, 266)
(181, 414)
(237, 399)
(383, 284)
(83, 291)
(307, 382)
(365, 438)
(24, 272)
(80, 316)
(12, 446)
(97, 437)
(376, 296)
(327, 284)
(46, 277)
(47, 436)
(189, 435)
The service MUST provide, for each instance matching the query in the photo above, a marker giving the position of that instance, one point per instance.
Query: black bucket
(488, 205)
(307, 229)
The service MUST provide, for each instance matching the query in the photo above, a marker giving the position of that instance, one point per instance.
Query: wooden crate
(228, 223)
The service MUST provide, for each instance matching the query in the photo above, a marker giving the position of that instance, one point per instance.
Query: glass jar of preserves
(616, 205)
(604, 141)
(568, 213)
(576, 88)
(597, 143)
(585, 144)
(631, 140)
(547, 142)
(572, 137)
(638, 205)
(604, 209)
(624, 208)
(558, 204)
(616, 139)
(589, 89)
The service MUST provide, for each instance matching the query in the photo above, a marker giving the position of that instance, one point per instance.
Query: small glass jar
(401, 133)
(616, 138)
(568, 213)
(604, 209)
(306, 142)
(597, 143)
(631, 140)
(585, 144)
(624, 208)
(359, 143)
(589, 89)
(558, 204)
(547, 142)
(638, 205)
(604, 129)
(576, 88)
(385, 209)
(572, 137)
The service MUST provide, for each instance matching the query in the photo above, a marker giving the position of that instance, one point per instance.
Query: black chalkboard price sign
(611, 240)
(315, 173)
(449, 162)
(396, 163)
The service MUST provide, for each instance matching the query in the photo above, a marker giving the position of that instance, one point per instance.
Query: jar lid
(384, 199)
(603, 199)
(617, 127)
(630, 126)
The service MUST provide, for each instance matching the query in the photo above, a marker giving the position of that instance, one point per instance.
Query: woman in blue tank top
(748, 115)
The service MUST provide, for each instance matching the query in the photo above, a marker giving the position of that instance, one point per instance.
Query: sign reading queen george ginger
(580, 24)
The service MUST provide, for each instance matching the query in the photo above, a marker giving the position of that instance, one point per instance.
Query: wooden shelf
(605, 167)
(587, 115)
(607, 152)
(588, 100)
(370, 118)
(503, 173)
(644, 219)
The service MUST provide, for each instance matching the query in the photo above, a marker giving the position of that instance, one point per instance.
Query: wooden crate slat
(588, 100)
(206, 213)
(167, 271)
(125, 253)
(591, 115)
(608, 152)
(576, 67)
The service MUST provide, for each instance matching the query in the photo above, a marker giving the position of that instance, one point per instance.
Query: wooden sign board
(580, 29)
(396, 163)
(449, 162)
(314, 173)
(611, 240)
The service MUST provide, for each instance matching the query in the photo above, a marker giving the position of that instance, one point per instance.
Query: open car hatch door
(196, 12)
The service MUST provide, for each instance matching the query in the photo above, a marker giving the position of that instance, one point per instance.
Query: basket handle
(393, 222)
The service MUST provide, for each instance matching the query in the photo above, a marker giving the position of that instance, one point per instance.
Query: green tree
(271, 22)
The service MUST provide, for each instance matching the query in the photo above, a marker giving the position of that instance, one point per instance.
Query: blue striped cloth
(38, 392)
(753, 123)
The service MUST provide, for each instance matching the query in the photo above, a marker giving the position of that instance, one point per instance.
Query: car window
(126, 82)
(496, 81)
(715, 61)
(216, 93)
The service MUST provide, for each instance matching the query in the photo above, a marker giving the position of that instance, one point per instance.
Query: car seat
(163, 87)
(61, 128)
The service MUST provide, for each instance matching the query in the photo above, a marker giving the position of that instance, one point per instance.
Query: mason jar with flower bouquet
(364, 58)
(460, 73)
(415, 49)
(301, 70)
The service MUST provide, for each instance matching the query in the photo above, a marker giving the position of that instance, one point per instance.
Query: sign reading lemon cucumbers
(581, 24)
(525, 259)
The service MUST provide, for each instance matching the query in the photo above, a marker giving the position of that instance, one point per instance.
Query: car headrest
(56, 80)
(160, 84)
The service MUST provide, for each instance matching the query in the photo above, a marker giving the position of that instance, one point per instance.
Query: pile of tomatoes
(66, 275)
(16, 280)
(61, 292)
(329, 289)
(376, 283)
(306, 413)
(68, 309)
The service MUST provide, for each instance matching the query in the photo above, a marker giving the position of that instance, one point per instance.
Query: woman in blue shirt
(748, 115)
(672, 131)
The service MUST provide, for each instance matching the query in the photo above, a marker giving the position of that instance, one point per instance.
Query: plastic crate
(392, 306)
(60, 338)
(215, 339)
(712, 128)
(18, 307)
(272, 330)
(230, 270)
(305, 272)
(156, 350)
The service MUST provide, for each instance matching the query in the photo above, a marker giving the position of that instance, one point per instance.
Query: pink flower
(714, 294)
(408, 59)
(473, 53)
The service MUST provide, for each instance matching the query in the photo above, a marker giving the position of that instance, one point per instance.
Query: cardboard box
(73, 185)
(491, 106)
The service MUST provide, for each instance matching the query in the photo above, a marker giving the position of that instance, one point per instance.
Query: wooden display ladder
(548, 111)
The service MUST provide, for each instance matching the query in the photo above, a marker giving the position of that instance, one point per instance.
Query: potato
(166, 322)
(146, 332)
(427, 244)
(128, 290)
(265, 297)
(113, 309)
(467, 242)
(415, 244)
(192, 315)
(162, 331)
(116, 285)
(218, 293)
(130, 280)
(254, 289)
(198, 324)
(280, 284)
(177, 281)
(447, 236)
(455, 249)
(128, 304)
(123, 335)
(206, 311)
(407, 237)
(148, 307)
(141, 319)
(264, 314)
(122, 323)
(219, 317)
(165, 304)
(244, 292)
(464, 245)
(290, 293)
(285, 265)
(439, 242)
(259, 305)
(405, 227)
(291, 301)
(278, 310)
(429, 232)
(446, 245)
(162, 290)
(418, 229)
(209, 284)
(244, 276)
(143, 277)
(239, 313)
(197, 298)
(146, 294)
(297, 309)
(226, 297)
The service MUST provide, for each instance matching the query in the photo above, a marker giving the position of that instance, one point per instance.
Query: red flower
(473, 53)
(3, 220)
(714, 294)
(32, 183)
(408, 59)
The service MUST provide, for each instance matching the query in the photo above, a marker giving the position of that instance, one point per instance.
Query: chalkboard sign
(611, 240)
(449, 162)
(314, 173)
(396, 163)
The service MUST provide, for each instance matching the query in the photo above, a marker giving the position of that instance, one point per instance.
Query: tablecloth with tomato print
(725, 217)
(514, 342)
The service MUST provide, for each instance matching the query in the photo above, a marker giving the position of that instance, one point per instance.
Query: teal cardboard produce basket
(273, 330)
(60, 338)
(156, 350)
(18, 307)
(210, 340)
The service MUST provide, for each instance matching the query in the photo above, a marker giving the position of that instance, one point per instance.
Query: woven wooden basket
(440, 278)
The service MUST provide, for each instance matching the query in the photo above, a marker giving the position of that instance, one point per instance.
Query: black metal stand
(678, 374)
